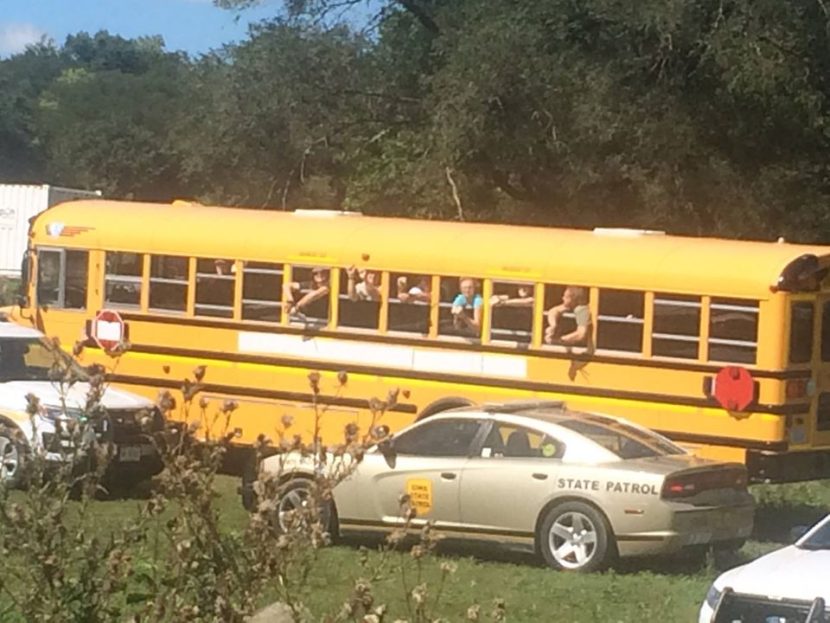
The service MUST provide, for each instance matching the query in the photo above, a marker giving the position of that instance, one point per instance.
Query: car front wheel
(575, 537)
(296, 510)
(13, 452)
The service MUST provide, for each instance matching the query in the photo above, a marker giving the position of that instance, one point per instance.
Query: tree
(106, 122)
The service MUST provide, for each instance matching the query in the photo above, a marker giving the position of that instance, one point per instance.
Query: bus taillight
(796, 388)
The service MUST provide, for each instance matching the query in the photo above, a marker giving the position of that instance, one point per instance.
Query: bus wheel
(250, 474)
(575, 537)
(13, 453)
(444, 404)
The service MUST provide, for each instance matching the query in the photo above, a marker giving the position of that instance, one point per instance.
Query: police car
(28, 366)
(789, 585)
(577, 488)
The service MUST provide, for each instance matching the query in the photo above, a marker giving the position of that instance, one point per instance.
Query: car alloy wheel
(573, 540)
(11, 458)
(294, 507)
(574, 537)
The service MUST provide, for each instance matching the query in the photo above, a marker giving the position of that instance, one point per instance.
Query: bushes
(8, 290)
(171, 560)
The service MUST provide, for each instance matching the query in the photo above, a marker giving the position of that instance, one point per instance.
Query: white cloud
(15, 37)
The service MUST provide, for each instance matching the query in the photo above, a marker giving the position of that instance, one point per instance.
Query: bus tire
(444, 404)
(249, 475)
(575, 536)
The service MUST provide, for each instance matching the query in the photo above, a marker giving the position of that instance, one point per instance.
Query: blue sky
(191, 25)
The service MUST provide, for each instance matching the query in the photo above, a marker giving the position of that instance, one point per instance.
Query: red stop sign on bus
(108, 329)
(734, 388)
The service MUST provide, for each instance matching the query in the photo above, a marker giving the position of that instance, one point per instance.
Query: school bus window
(409, 303)
(307, 295)
(460, 307)
(168, 283)
(215, 280)
(512, 312)
(76, 279)
(360, 298)
(676, 328)
(567, 315)
(823, 412)
(801, 331)
(620, 321)
(122, 281)
(48, 276)
(733, 330)
(262, 291)
(825, 332)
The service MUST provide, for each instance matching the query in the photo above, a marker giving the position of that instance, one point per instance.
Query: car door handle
(448, 475)
(540, 476)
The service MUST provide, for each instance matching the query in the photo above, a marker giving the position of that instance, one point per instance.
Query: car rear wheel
(13, 452)
(575, 537)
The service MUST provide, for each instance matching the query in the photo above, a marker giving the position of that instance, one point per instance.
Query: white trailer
(19, 203)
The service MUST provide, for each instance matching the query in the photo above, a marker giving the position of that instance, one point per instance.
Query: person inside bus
(466, 307)
(575, 300)
(363, 284)
(300, 295)
(417, 293)
(223, 267)
(523, 298)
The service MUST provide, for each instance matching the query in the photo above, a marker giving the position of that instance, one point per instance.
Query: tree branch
(421, 15)
(455, 196)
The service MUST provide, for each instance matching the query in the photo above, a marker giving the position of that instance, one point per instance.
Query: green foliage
(704, 117)
(8, 290)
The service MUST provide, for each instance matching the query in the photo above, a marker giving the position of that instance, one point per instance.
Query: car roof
(541, 411)
(10, 329)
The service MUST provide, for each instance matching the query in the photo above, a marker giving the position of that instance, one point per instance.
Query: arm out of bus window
(577, 336)
(351, 291)
(309, 298)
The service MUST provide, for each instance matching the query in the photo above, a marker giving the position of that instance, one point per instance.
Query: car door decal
(419, 491)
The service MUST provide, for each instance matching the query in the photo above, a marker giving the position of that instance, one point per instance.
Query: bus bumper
(787, 466)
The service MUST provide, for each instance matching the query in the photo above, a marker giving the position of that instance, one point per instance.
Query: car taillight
(678, 489)
(688, 484)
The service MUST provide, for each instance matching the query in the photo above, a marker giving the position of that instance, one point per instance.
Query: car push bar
(725, 610)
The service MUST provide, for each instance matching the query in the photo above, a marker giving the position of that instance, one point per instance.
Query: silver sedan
(577, 488)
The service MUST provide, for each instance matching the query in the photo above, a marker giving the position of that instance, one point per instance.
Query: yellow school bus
(722, 345)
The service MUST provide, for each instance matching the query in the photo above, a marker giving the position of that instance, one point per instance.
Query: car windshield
(627, 442)
(820, 539)
(34, 359)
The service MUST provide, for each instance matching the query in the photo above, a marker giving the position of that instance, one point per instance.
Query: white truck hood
(13, 396)
(788, 573)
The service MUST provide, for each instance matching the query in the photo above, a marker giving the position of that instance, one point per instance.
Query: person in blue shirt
(466, 307)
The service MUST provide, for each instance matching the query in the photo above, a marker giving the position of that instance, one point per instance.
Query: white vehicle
(789, 585)
(27, 366)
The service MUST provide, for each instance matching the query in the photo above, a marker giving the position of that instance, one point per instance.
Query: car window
(625, 441)
(33, 359)
(510, 441)
(820, 539)
(438, 438)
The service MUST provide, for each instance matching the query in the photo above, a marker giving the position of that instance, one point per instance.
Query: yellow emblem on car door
(420, 495)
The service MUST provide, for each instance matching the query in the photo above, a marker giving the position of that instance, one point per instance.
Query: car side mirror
(797, 532)
(387, 449)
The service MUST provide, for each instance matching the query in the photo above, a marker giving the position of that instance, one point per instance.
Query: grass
(635, 590)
